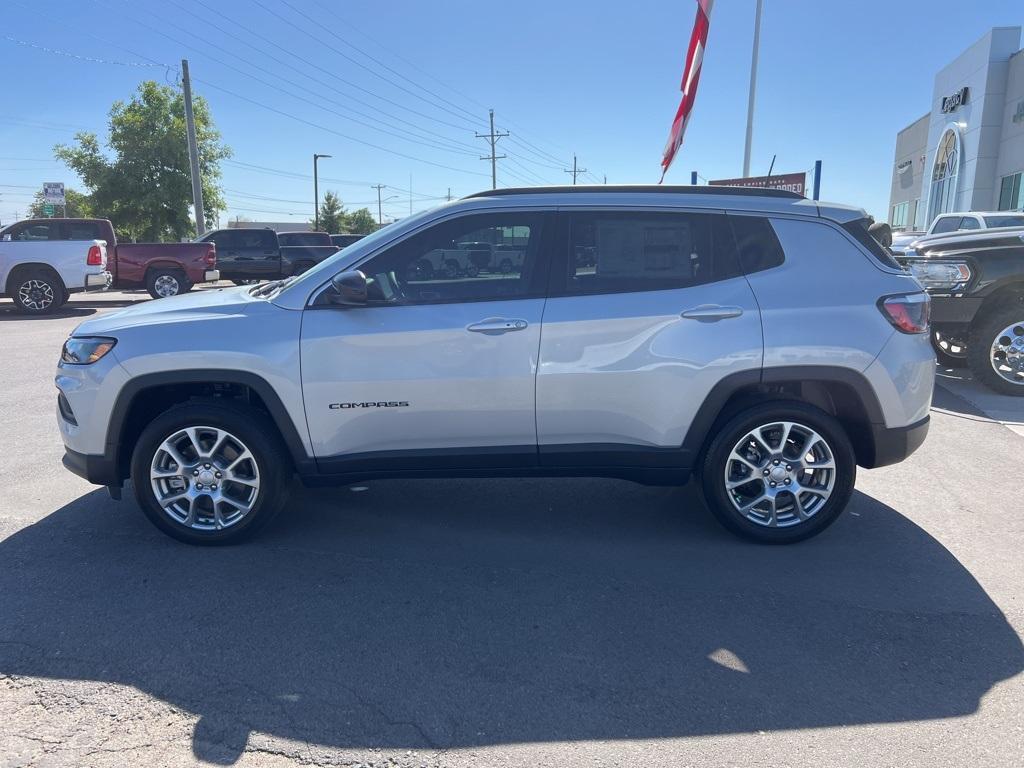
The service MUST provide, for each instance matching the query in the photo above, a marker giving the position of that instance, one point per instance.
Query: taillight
(95, 257)
(211, 256)
(908, 313)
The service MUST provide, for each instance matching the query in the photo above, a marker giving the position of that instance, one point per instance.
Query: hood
(197, 305)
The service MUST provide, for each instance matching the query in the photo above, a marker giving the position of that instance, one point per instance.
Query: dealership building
(967, 153)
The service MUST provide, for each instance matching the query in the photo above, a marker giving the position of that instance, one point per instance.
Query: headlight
(86, 350)
(941, 276)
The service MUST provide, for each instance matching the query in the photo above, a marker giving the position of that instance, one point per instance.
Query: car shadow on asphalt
(447, 614)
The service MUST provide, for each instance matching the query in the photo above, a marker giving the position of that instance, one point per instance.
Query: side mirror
(350, 288)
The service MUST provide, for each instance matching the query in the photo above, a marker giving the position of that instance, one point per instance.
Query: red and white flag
(691, 77)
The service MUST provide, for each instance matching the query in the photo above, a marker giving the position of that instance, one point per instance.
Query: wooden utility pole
(193, 151)
(492, 138)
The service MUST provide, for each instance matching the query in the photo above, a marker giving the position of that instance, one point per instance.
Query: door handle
(496, 325)
(709, 313)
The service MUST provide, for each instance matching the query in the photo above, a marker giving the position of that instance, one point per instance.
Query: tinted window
(1004, 221)
(304, 238)
(239, 239)
(83, 230)
(341, 241)
(946, 224)
(756, 242)
(442, 263)
(859, 230)
(621, 252)
(969, 222)
(34, 231)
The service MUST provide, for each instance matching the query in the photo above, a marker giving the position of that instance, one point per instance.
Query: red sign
(791, 182)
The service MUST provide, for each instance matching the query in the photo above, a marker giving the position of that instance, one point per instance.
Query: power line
(91, 59)
(326, 84)
(296, 175)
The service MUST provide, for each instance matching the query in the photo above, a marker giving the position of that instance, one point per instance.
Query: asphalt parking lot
(512, 622)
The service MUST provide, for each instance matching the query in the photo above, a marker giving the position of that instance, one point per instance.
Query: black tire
(164, 282)
(505, 267)
(949, 351)
(37, 291)
(716, 461)
(451, 269)
(472, 270)
(252, 428)
(979, 346)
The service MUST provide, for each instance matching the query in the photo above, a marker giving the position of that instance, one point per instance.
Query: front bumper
(98, 470)
(955, 309)
(894, 444)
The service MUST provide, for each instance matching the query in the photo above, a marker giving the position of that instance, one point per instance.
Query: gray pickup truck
(245, 255)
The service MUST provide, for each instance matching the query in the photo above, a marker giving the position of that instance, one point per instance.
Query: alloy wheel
(166, 286)
(1007, 355)
(780, 474)
(36, 295)
(204, 478)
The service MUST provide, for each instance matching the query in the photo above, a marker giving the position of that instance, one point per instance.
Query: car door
(437, 369)
(648, 311)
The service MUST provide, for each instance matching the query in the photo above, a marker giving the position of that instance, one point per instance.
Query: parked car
(706, 342)
(247, 255)
(40, 269)
(289, 239)
(976, 281)
(956, 222)
(902, 242)
(345, 239)
(163, 269)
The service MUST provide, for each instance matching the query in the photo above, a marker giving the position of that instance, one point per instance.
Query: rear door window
(82, 230)
(627, 251)
(36, 231)
(756, 242)
(969, 222)
(946, 224)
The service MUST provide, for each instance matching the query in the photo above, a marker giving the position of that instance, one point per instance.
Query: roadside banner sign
(791, 182)
(48, 209)
(53, 192)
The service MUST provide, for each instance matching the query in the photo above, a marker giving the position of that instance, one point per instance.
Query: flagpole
(753, 89)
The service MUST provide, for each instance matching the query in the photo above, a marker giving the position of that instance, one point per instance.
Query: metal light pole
(316, 194)
(753, 88)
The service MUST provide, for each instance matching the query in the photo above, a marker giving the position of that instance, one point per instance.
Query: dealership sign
(791, 182)
(904, 165)
(955, 100)
(53, 192)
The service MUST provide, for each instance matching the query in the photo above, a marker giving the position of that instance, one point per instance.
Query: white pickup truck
(40, 268)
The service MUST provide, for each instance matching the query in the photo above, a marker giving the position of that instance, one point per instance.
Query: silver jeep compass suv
(760, 340)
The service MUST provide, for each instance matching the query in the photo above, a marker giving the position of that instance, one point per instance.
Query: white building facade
(967, 153)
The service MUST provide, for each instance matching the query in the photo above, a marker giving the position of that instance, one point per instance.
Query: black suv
(977, 286)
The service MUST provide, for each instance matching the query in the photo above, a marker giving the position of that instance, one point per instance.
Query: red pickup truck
(163, 269)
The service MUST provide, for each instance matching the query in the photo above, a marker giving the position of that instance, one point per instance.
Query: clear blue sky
(837, 81)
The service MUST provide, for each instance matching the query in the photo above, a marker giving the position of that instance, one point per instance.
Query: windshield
(329, 266)
(1010, 220)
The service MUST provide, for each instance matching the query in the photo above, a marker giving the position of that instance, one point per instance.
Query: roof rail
(660, 188)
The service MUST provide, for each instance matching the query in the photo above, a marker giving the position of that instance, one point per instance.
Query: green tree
(78, 206)
(145, 186)
(332, 214)
(361, 222)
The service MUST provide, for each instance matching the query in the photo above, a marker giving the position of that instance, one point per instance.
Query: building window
(945, 173)
(1011, 193)
(900, 212)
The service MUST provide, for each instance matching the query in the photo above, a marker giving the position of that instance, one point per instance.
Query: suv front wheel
(779, 472)
(208, 472)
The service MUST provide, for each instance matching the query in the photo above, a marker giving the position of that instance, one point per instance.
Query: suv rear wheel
(210, 472)
(779, 472)
(995, 352)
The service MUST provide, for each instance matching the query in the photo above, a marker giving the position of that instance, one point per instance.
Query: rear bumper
(955, 309)
(894, 444)
(99, 281)
(98, 470)
(211, 276)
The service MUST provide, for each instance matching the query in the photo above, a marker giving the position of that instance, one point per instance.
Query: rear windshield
(304, 238)
(1005, 221)
(859, 229)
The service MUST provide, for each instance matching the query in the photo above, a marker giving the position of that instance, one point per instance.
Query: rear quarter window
(858, 229)
(756, 243)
